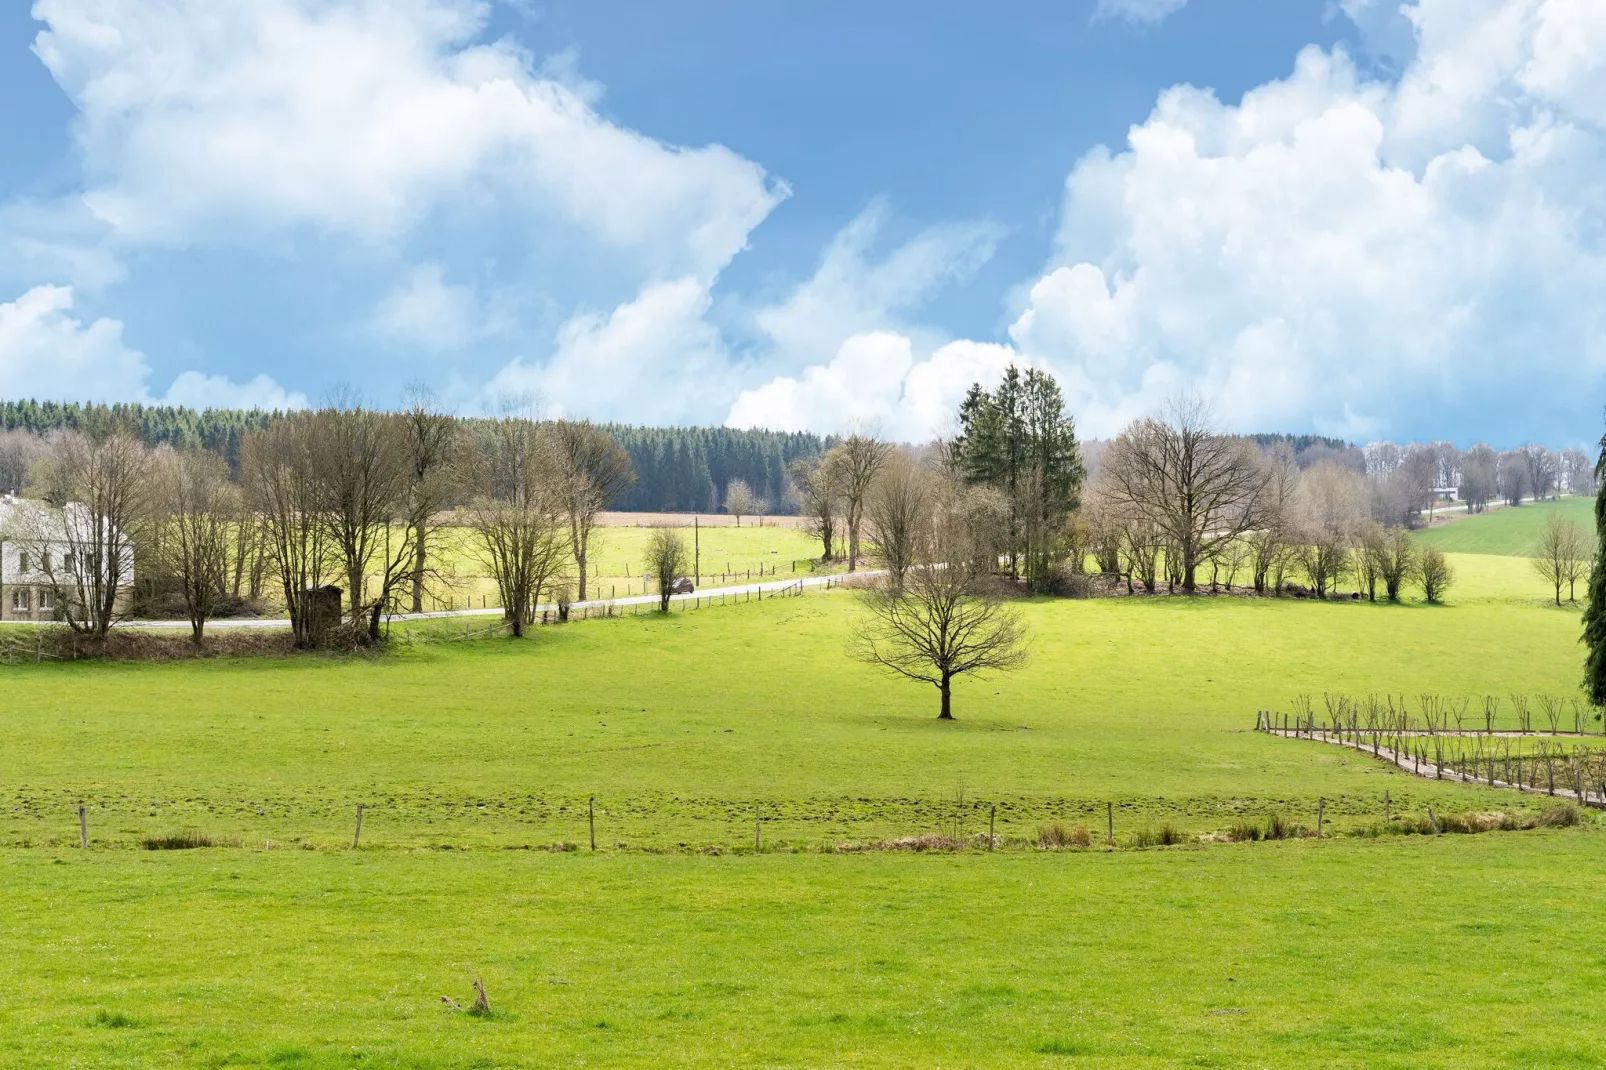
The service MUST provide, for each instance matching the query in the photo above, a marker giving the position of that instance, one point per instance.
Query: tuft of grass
(1057, 1046)
(1244, 832)
(1057, 835)
(1562, 815)
(1167, 835)
(1279, 827)
(113, 1020)
(188, 840)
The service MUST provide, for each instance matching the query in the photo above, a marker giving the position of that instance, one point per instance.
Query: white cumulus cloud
(48, 351)
(1362, 257)
(653, 359)
(206, 122)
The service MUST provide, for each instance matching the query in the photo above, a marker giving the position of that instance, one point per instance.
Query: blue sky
(1343, 216)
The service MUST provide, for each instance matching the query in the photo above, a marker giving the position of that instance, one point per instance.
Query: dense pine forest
(678, 469)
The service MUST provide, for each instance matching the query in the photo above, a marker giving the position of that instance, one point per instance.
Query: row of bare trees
(1174, 498)
(344, 496)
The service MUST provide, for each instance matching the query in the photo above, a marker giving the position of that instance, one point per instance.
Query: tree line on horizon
(678, 469)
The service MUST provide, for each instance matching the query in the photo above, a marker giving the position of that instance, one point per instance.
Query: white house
(40, 551)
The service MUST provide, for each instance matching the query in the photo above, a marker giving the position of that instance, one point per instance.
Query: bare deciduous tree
(1330, 514)
(666, 557)
(84, 546)
(517, 514)
(1397, 561)
(360, 458)
(196, 510)
(19, 452)
(1198, 487)
(1268, 543)
(595, 470)
(283, 491)
(898, 508)
(858, 459)
(432, 437)
(814, 485)
(947, 620)
(1435, 573)
(739, 500)
(1480, 477)
(1562, 554)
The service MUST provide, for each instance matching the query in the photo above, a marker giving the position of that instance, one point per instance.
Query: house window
(19, 600)
(22, 561)
(47, 600)
(44, 562)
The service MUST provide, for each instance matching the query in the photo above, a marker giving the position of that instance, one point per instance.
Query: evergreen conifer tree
(1595, 612)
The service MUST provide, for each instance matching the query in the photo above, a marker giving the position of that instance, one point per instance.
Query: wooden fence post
(1321, 809)
(1109, 821)
(1388, 804)
(992, 823)
(356, 837)
(83, 827)
(591, 818)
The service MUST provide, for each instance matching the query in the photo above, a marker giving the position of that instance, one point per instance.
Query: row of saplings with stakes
(1451, 738)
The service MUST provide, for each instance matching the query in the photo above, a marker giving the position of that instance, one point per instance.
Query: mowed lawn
(1505, 530)
(675, 944)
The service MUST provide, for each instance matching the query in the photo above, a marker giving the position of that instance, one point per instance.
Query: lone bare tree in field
(740, 500)
(517, 514)
(814, 485)
(859, 460)
(1562, 555)
(1201, 489)
(595, 470)
(947, 619)
(666, 556)
(196, 510)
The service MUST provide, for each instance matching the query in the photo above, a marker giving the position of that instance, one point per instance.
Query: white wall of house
(26, 591)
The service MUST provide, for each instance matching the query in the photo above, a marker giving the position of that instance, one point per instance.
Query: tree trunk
(418, 569)
(947, 713)
(580, 559)
(373, 621)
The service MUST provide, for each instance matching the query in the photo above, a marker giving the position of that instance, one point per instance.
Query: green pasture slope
(677, 945)
(1504, 530)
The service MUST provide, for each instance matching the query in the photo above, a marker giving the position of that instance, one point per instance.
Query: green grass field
(676, 944)
(1506, 531)
(728, 556)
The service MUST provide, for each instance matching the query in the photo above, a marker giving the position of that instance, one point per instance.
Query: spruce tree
(1595, 612)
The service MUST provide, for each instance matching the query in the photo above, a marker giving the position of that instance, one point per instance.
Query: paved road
(766, 587)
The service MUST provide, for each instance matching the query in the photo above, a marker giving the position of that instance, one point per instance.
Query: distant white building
(44, 554)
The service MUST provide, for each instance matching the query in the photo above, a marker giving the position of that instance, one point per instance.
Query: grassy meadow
(677, 944)
(1505, 530)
